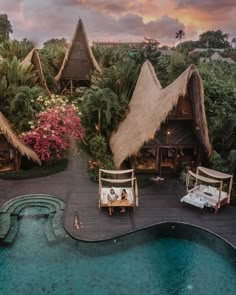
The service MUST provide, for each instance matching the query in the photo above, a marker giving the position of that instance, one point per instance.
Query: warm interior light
(168, 132)
(97, 127)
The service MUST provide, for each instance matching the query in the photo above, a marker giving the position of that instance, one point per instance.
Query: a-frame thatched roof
(150, 106)
(79, 59)
(33, 58)
(14, 140)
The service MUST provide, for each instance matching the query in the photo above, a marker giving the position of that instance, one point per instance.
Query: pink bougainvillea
(55, 130)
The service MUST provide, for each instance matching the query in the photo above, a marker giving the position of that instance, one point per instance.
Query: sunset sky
(114, 20)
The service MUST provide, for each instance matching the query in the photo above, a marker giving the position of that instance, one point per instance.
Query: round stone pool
(167, 259)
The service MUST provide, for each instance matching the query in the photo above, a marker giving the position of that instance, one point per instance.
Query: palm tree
(11, 48)
(101, 110)
(19, 75)
(179, 35)
(24, 107)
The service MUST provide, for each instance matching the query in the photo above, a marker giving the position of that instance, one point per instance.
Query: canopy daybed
(117, 180)
(210, 193)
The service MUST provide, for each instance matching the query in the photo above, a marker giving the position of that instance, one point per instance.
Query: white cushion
(106, 190)
(212, 190)
(202, 187)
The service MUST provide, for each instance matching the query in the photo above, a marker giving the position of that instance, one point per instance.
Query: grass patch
(35, 171)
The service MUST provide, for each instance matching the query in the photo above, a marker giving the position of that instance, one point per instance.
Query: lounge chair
(118, 180)
(215, 196)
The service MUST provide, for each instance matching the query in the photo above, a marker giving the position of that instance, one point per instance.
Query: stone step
(32, 198)
(12, 211)
(5, 225)
(9, 239)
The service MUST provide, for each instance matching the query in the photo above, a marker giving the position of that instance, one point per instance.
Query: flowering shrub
(94, 166)
(93, 169)
(53, 132)
(56, 101)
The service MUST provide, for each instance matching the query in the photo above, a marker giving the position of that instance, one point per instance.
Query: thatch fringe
(14, 140)
(33, 58)
(150, 106)
(79, 30)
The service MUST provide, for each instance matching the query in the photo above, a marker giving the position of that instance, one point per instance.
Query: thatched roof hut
(78, 62)
(10, 141)
(33, 58)
(150, 107)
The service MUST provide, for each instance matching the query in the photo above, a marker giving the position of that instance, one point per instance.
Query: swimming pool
(153, 261)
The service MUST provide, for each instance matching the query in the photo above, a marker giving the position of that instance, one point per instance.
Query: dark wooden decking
(158, 202)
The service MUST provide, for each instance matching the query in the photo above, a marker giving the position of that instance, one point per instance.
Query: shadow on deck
(159, 202)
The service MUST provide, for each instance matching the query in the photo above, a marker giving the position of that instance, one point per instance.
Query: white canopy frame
(119, 177)
(212, 177)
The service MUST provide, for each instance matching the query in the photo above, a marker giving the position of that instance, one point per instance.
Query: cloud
(10, 5)
(112, 7)
(118, 20)
(213, 5)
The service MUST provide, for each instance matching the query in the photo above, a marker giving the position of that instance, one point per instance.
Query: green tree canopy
(214, 39)
(11, 48)
(5, 28)
(52, 42)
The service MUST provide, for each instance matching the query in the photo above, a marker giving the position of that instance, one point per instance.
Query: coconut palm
(11, 48)
(101, 111)
(18, 75)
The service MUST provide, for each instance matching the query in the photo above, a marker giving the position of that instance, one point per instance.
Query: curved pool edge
(148, 227)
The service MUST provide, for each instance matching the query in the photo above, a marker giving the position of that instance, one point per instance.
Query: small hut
(12, 148)
(79, 61)
(165, 128)
(33, 58)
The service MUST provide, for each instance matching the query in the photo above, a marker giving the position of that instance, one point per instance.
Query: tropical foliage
(5, 28)
(51, 56)
(17, 92)
(14, 48)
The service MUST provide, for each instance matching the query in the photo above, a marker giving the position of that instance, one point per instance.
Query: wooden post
(218, 203)
(196, 181)
(187, 181)
(157, 158)
(230, 188)
(100, 188)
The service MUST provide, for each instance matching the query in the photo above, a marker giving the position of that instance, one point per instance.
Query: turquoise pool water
(141, 263)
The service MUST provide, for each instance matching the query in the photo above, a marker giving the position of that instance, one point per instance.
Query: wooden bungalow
(165, 128)
(78, 63)
(12, 148)
(33, 59)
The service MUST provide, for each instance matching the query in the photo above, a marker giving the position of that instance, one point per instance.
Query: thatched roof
(150, 106)
(14, 140)
(79, 46)
(33, 58)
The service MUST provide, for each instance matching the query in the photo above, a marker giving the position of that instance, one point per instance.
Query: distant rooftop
(206, 49)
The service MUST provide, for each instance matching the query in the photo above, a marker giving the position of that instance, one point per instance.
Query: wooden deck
(158, 202)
